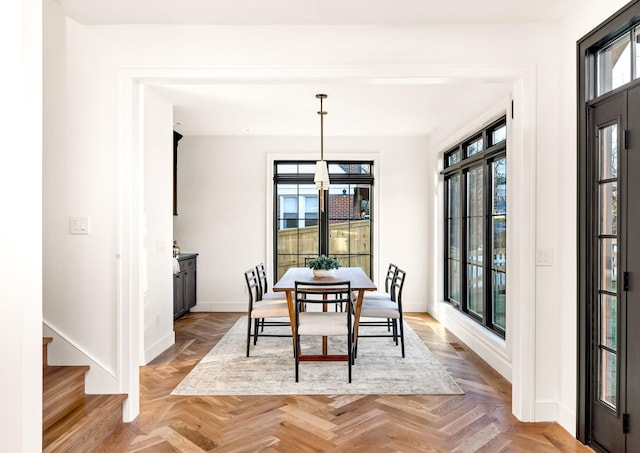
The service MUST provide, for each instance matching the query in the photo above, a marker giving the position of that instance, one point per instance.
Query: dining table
(359, 281)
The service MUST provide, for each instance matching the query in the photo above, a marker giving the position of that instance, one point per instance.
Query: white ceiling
(307, 12)
(362, 109)
(366, 107)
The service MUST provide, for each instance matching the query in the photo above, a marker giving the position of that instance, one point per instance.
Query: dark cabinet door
(189, 289)
(178, 295)
(184, 287)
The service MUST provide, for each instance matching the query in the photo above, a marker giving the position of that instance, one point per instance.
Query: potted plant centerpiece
(323, 266)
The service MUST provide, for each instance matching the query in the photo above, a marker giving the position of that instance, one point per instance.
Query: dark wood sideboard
(184, 285)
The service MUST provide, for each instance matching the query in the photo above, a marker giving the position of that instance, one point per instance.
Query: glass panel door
(607, 238)
(349, 218)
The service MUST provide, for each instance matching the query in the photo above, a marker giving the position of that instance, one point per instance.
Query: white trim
(546, 411)
(54, 332)
(62, 350)
(241, 307)
(521, 241)
(490, 347)
(159, 347)
(522, 319)
(128, 282)
(567, 418)
(226, 307)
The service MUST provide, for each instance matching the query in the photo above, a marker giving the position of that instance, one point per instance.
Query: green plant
(323, 262)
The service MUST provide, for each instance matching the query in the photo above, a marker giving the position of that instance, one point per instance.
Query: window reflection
(614, 64)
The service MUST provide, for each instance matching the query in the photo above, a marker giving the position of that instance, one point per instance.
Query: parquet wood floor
(479, 421)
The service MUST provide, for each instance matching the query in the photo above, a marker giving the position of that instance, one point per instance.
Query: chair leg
(248, 334)
(402, 335)
(350, 354)
(255, 331)
(297, 356)
(395, 331)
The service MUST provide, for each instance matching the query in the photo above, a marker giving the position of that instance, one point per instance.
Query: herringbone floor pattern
(479, 421)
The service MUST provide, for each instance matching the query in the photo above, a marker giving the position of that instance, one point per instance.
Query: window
(617, 62)
(474, 147)
(476, 226)
(346, 215)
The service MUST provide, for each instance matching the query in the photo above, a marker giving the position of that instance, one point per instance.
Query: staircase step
(86, 426)
(45, 342)
(63, 391)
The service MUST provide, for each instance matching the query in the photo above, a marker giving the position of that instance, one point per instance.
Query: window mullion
(464, 267)
(487, 246)
(447, 239)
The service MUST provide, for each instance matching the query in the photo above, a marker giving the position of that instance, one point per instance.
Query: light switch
(79, 225)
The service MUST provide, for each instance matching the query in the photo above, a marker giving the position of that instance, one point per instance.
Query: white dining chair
(309, 322)
(383, 310)
(263, 313)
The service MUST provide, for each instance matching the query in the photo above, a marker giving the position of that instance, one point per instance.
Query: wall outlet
(544, 257)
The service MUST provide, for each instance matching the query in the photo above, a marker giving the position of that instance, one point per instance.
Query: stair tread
(76, 425)
(53, 374)
(63, 390)
(45, 350)
(54, 377)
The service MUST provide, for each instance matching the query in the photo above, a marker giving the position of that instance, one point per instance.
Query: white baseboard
(159, 347)
(546, 411)
(63, 351)
(567, 419)
(241, 307)
(223, 307)
(491, 348)
(551, 411)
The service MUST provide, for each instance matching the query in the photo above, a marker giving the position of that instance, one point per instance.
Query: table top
(359, 280)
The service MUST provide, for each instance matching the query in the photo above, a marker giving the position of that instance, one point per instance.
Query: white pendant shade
(321, 177)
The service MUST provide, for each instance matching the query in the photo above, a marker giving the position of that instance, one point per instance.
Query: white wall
(224, 207)
(157, 224)
(81, 273)
(21, 226)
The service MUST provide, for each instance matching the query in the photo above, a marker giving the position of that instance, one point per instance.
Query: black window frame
(490, 153)
(616, 25)
(349, 177)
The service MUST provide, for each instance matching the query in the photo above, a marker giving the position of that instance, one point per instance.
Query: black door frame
(610, 28)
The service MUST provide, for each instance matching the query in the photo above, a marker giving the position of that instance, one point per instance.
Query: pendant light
(321, 177)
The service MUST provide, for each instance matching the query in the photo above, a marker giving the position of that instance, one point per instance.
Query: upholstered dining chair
(262, 312)
(263, 283)
(310, 322)
(383, 295)
(264, 293)
(389, 308)
(388, 280)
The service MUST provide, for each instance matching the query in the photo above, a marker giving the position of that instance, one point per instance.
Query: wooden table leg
(292, 319)
(356, 319)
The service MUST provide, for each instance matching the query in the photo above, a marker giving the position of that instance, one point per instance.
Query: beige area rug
(270, 369)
